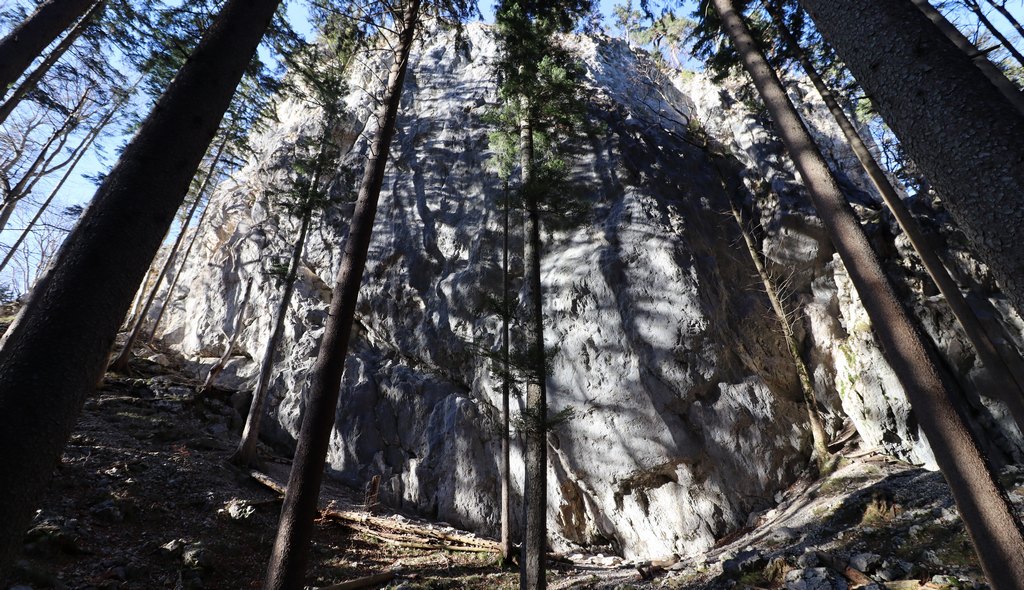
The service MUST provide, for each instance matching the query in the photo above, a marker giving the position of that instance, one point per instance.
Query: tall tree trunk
(976, 8)
(505, 466)
(245, 454)
(988, 515)
(1001, 7)
(287, 566)
(959, 129)
(994, 74)
(75, 158)
(33, 79)
(819, 437)
(229, 343)
(22, 45)
(120, 363)
(533, 575)
(1009, 387)
(102, 262)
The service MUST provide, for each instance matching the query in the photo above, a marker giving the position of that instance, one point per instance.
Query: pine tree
(540, 91)
(287, 568)
(988, 515)
(1010, 388)
(321, 81)
(113, 244)
(28, 40)
(958, 128)
(32, 80)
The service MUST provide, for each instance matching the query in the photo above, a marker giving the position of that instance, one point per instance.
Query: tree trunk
(287, 566)
(986, 511)
(120, 363)
(960, 130)
(33, 79)
(22, 45)
(40, 166)
(104, 259)
(505, 462)
(1008, 385)
(75, 158)
(229, 345)
(976, 8)
(245, 454)
(819, 437)
(1001, 7)
(533, 575)
(994, 74)
(174, 282)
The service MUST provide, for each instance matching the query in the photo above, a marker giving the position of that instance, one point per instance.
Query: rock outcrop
(687, 413)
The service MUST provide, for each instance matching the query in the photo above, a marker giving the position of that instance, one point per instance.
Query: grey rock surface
(814, 578)
(687, 411)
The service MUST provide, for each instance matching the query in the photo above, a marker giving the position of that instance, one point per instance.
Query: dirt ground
(143, 498)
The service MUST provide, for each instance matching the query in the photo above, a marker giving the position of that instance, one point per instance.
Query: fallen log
(392, 531)
(362, 582)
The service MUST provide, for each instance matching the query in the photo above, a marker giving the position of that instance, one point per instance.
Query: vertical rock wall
(687, 413)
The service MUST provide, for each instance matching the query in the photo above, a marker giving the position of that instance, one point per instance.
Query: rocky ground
(143, 498)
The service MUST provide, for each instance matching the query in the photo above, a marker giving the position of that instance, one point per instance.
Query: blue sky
(79, 190)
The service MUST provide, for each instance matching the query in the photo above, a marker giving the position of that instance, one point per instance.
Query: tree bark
(987, 513)
(33, 79)
(245, 454)
(533, 575)
(977, 10)
(994, 74)
(960, 130)
(120, 363)
(1009, 387)
(287, 567)
(78, 305)
(22, 45)
(505, 463)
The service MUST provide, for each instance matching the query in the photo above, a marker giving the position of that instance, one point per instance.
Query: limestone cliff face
(687, 412)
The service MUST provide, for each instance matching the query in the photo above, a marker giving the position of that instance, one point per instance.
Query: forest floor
(143, 498)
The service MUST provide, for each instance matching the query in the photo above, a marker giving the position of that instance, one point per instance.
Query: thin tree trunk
(819, 437)
(994, 74)
(1001, 7)
(287, 566)
(245, 454)
(39, 166)
(961, 131)
(102, 262)
(77, 155)
(236, 331)
(1008, 385)
(22, 45)
(174, 281)
(987, 513)
(505, 546)
(120, 363)
(976, 8)
(33, 79)
(533, 575)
